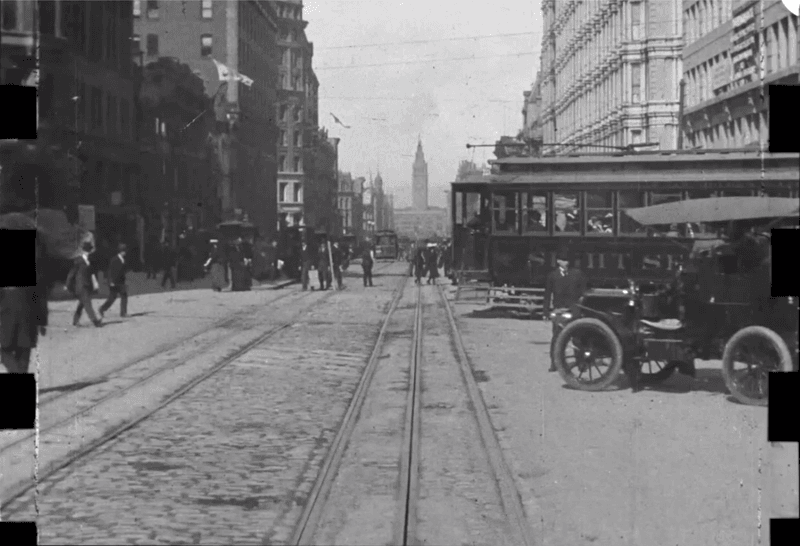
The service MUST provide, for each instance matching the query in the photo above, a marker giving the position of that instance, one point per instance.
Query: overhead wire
(436, 40)
(423, 61)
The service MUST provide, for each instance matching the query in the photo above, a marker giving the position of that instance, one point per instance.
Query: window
(96, 105)
(566, 213)
(206, 43)
(298, 193)
(636, 20)
(152, 44)
(283, 194)
(636, 136)
(9, 14)
(283, 137)
(282, 163)
(137, 8)
(504, 209)
(298, 114)
(629, 200)
(659, 198)
(152, 9)
(298, 165)
(298, 138)
(137, 44)
(284, 112)
(534, 213)
(206, 9)
(599, 213)
(636, 82)
(111, 115)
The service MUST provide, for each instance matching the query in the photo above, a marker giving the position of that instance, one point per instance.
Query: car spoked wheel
(656, 371)
(588, 354)
(749, 356)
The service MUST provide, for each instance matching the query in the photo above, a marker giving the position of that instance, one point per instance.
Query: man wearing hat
(563, 288)
(116, 283)
(85, 286)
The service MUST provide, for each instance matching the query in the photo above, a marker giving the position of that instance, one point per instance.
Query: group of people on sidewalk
(230, 266)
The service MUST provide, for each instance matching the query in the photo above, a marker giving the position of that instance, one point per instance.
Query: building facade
(296, 111)
(421, 224)
(86, 158)
(419, 180)
(242, 36)
(733, 48)
(531, 132)
(610, 73)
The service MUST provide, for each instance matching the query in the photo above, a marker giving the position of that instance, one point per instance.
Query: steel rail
(509, 495)
(406, 532)
(312, 511)
(117, 431)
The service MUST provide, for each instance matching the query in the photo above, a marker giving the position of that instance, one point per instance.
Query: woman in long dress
(216, 263)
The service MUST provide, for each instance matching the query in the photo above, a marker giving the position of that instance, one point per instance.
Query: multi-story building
(532, 116)
(734, 48)
(242, 37)
(177, 188)
(346, 199)
(86, 157)
(296, 110)
(610, 73)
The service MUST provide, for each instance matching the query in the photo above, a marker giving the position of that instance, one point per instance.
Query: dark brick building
(241, 36)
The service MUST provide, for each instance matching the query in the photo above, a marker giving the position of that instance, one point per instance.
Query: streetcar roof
(646, 157)
(716, 209)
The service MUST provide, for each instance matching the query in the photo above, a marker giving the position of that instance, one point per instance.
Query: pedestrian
(23, 318)
(419, 265)
(83, 283)
(151, 259)
(410, 256)
(432, 260)
(216, 264)
(168, 261)
(305, 256)
(367, 261)
(447, 259)
(238, 262)
(338, 260)
(323, 267)
(564, 286)
(116, 283)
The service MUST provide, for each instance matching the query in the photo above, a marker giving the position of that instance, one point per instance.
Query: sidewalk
(157, 318)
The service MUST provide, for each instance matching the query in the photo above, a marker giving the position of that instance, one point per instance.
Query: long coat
(22, 310)
(83, 277)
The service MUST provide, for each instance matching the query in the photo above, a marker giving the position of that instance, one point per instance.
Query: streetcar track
(115, 432)
(405, 524)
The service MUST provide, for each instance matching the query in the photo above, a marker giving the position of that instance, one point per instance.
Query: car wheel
(588, 354)
(749, 356)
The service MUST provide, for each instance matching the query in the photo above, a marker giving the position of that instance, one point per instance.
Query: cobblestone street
(225, 438)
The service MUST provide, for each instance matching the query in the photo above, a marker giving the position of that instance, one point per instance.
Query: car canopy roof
(716, 209)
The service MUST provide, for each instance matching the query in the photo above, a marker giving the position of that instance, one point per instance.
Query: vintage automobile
(718, 306)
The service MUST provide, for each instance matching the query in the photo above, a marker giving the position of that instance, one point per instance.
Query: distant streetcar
(386, 245)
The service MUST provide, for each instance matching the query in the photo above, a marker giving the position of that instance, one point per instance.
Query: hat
(122, 247)
(87, 246)
(563, 254)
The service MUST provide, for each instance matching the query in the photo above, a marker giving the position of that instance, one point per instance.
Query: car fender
(626, 335)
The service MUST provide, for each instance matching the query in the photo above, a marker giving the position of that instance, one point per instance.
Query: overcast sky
(448, 102)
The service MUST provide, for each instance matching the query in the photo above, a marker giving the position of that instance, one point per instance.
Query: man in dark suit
(116, 283)
(338, 260)
(84, 286)
(563, 288)
(23, 317)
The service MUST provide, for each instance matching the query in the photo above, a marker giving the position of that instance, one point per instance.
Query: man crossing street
(116, 283)
(367, 260)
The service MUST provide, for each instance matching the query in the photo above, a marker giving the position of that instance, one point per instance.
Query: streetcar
(386, 245)
(508, 226)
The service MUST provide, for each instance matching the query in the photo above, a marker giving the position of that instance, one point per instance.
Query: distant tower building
(420, 180)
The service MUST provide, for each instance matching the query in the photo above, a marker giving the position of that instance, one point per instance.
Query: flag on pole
(245, 80)
(226, 74)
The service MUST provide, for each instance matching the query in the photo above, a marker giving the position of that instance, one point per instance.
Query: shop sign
(721, 74)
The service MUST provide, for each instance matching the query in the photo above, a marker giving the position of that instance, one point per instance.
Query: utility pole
(681, 98)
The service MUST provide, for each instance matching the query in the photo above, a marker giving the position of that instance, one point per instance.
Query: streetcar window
(599, 213)
(534, 213)
(737, 193)
(459, 209)
(504, 209)
(629, 200)
(566, 212)
(658, 198)
(777, 192)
